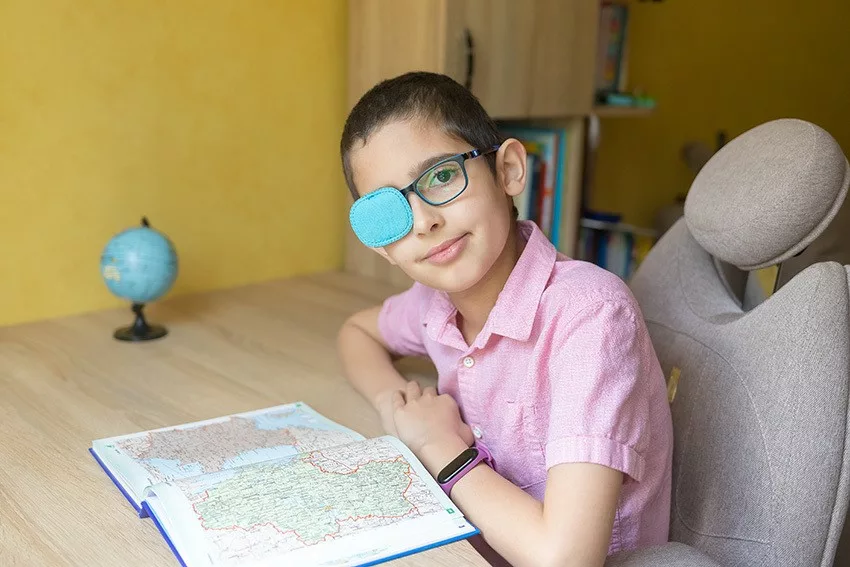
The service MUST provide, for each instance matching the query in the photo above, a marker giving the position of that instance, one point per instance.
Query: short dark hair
(419, 94)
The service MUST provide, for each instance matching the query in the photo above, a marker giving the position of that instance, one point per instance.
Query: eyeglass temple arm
(475, 153)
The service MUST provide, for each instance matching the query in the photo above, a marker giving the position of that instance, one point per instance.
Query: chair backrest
(760, 415)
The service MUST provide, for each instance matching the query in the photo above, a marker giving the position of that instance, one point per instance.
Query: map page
(140, 460)
(343, 505)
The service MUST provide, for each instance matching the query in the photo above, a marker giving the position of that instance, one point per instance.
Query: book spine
(140, 509)
(561, 161)
(162, 531)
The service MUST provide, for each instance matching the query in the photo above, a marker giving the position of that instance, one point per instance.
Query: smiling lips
(446, 251)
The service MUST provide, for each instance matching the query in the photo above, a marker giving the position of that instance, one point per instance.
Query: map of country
(285, 505)
(211, 446)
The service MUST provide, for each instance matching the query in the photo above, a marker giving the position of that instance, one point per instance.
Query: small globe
(139, 264)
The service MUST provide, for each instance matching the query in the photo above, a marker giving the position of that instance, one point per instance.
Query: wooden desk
(66, 382)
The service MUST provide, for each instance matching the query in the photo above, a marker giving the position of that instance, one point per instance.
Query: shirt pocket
(519, 452)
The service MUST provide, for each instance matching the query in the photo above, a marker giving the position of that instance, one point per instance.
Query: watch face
(457, 465)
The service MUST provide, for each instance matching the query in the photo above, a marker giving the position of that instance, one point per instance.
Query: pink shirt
(563, 371)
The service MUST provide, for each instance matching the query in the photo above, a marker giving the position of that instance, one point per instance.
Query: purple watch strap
(482, 456)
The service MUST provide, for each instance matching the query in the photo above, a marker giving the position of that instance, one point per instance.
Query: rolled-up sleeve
(599, 389)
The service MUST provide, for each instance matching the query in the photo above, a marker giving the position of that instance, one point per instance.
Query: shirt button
(468, 362)
(477, 432)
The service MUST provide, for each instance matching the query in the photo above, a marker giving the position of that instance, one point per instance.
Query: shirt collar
(516, 307)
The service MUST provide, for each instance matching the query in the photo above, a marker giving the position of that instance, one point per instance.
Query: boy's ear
(511, 166)
(381, 251)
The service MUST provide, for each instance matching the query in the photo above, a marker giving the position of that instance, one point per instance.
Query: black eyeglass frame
(459, 159)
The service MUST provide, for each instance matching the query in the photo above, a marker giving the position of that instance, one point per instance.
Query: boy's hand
(423, 418)
(384, 407)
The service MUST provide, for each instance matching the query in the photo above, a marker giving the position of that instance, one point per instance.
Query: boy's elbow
(561, 555)
(357, 331)
(348, 329)
(345, 327)
(564, 561)
(553, 559)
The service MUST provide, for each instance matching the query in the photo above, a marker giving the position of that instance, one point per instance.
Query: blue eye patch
(381, 217)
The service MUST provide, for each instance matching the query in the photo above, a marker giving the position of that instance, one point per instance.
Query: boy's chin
(450, 279)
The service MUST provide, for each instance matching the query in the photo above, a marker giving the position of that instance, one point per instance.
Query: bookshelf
(617, 227)
(609, 111)
(534, 63)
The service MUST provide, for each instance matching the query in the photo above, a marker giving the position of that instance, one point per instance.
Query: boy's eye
(442, 176)
(442, 183)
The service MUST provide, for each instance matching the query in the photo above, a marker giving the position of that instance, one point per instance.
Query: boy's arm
(590, 446)
(368, 364)
(571, 527)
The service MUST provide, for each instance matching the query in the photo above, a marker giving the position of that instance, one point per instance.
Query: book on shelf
(612, 48)
(613, 245)
(280, 486)
(542, 199)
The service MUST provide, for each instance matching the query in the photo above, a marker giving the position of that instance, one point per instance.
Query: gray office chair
(760, 416)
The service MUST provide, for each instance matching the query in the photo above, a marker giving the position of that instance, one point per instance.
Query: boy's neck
(474, 305)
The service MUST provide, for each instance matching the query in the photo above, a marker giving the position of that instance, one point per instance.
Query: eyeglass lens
(442, 183)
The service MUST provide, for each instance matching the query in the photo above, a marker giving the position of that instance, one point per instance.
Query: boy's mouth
(446, 250)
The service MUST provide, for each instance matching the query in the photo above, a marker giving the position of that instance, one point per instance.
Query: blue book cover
(283, 485)
(559, 187)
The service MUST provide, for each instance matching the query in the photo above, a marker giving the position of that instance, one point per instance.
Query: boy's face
(450, 247)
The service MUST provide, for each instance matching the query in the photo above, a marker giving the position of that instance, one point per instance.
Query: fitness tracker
(461, 465)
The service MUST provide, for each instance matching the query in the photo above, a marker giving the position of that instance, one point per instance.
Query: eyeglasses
(384, 216)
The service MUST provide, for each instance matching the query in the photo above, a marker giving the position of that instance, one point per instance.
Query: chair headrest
(768, 193)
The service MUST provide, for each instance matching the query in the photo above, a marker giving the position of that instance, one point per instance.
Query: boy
(545, 366)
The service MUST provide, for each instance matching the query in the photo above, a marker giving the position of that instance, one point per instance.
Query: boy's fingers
(447, 399)
(429, 391)
(398, 399)
(413, 391)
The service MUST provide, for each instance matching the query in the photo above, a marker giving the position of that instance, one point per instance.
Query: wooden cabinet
(530, 60)
(390, 37)
(521, 58)
(496, 38)
(564, 58)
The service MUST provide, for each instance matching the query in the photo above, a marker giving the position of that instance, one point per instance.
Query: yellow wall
(217, 119)
(719, 64)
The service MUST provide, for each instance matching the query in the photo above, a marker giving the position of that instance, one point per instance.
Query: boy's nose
(426, 218)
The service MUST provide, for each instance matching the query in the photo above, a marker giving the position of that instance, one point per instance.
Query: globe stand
(140, 330)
